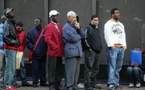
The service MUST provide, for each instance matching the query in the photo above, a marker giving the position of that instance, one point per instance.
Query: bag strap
(38, 39)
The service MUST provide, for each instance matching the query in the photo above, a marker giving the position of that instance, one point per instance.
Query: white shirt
(114, 33)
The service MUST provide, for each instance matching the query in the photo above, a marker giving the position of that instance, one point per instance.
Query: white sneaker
(138, 85)
(80, 85)
(131, 85)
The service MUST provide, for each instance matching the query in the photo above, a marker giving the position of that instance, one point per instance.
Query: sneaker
(138, 85)
(118, 86)
(111, 87)
(10, 88)
(131, 85)
(80, 86)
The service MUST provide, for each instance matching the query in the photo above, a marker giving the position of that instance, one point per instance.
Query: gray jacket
(72, 41)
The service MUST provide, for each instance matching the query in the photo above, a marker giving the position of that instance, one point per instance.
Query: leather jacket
(10, 36)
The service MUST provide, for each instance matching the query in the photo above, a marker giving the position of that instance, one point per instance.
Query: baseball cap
(53, 12)
(8, 10)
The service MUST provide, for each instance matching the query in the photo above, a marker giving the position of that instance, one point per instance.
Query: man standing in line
(55, 49)
(92, 48)
(39, 56)
(116, 45)
(72, 35)
(11, 41)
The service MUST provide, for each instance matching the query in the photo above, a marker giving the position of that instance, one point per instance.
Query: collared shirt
(56, 26)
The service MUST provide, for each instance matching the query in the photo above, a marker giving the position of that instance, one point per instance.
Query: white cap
(53, 12)
(71, 13)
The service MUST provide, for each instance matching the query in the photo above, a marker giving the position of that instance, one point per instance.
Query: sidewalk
(125, 87)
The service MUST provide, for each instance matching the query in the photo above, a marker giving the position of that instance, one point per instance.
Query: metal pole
(94, 7)
(1, 7)
(46, 11)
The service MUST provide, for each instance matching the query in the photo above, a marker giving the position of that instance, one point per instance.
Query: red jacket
(22, 40)
(54, 40)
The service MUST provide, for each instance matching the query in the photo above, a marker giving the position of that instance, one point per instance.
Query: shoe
(111, 87)
(26, 84)
(138, 85)
(80, 86)
(10, 88)
(43, 84)
(16, 85)
(131, 85)
(97, 86)
(35, 85)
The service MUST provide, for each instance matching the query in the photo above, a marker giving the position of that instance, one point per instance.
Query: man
(3, 19)
(11, 43)
(39, 53)
(20, 64)
(92, 48)
(116, 45)
(55, 50)
(72, 35)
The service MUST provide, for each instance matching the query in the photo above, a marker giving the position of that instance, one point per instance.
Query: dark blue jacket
(41, 48)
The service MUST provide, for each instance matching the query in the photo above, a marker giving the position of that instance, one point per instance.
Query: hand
(77, 25)
(124, 47)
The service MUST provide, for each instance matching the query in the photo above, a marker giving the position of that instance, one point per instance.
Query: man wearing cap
(55, 49)
(3, 19)
(11, 43)
(72, 35)
(39, 55)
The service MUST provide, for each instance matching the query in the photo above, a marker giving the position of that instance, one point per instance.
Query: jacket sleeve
(69, 36)
(29, 41)
(108, 36)
(48, 38)
(6, 34)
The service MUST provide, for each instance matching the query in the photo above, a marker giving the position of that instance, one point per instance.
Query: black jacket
(10, 36)
(41, 48)
(93, 39)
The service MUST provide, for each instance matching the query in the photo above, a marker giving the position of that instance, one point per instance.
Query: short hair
(19, 23)
(71, 13)
(94, 16)
(113, 10)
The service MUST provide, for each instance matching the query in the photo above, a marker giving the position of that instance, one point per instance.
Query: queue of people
(53, 42)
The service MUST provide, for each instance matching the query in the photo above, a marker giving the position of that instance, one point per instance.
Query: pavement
(104, 87)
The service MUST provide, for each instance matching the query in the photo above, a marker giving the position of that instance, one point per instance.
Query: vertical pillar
(94, 7)
(46, 3)
(1, 7)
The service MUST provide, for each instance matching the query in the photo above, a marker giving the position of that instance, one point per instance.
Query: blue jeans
(22, 73)
(10, 67)
(135, 74)
(115, 61)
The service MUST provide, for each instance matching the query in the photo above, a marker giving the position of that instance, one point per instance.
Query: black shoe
(16, 85)
(43, 84)
(35, 85)
(26, 84)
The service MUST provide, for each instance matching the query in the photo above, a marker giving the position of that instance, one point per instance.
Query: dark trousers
(55, 70)
(91, 68)
(72, 70)
(39, 70)
(2, 61)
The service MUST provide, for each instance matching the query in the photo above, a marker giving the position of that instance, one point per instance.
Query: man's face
(55, 18)
(95, 21)
(116, 14)
(19, 28)
(72, 19)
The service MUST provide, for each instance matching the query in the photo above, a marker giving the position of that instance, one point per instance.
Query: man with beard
(116, 45)
(55, 49)
(11, 43)
(39, 53)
